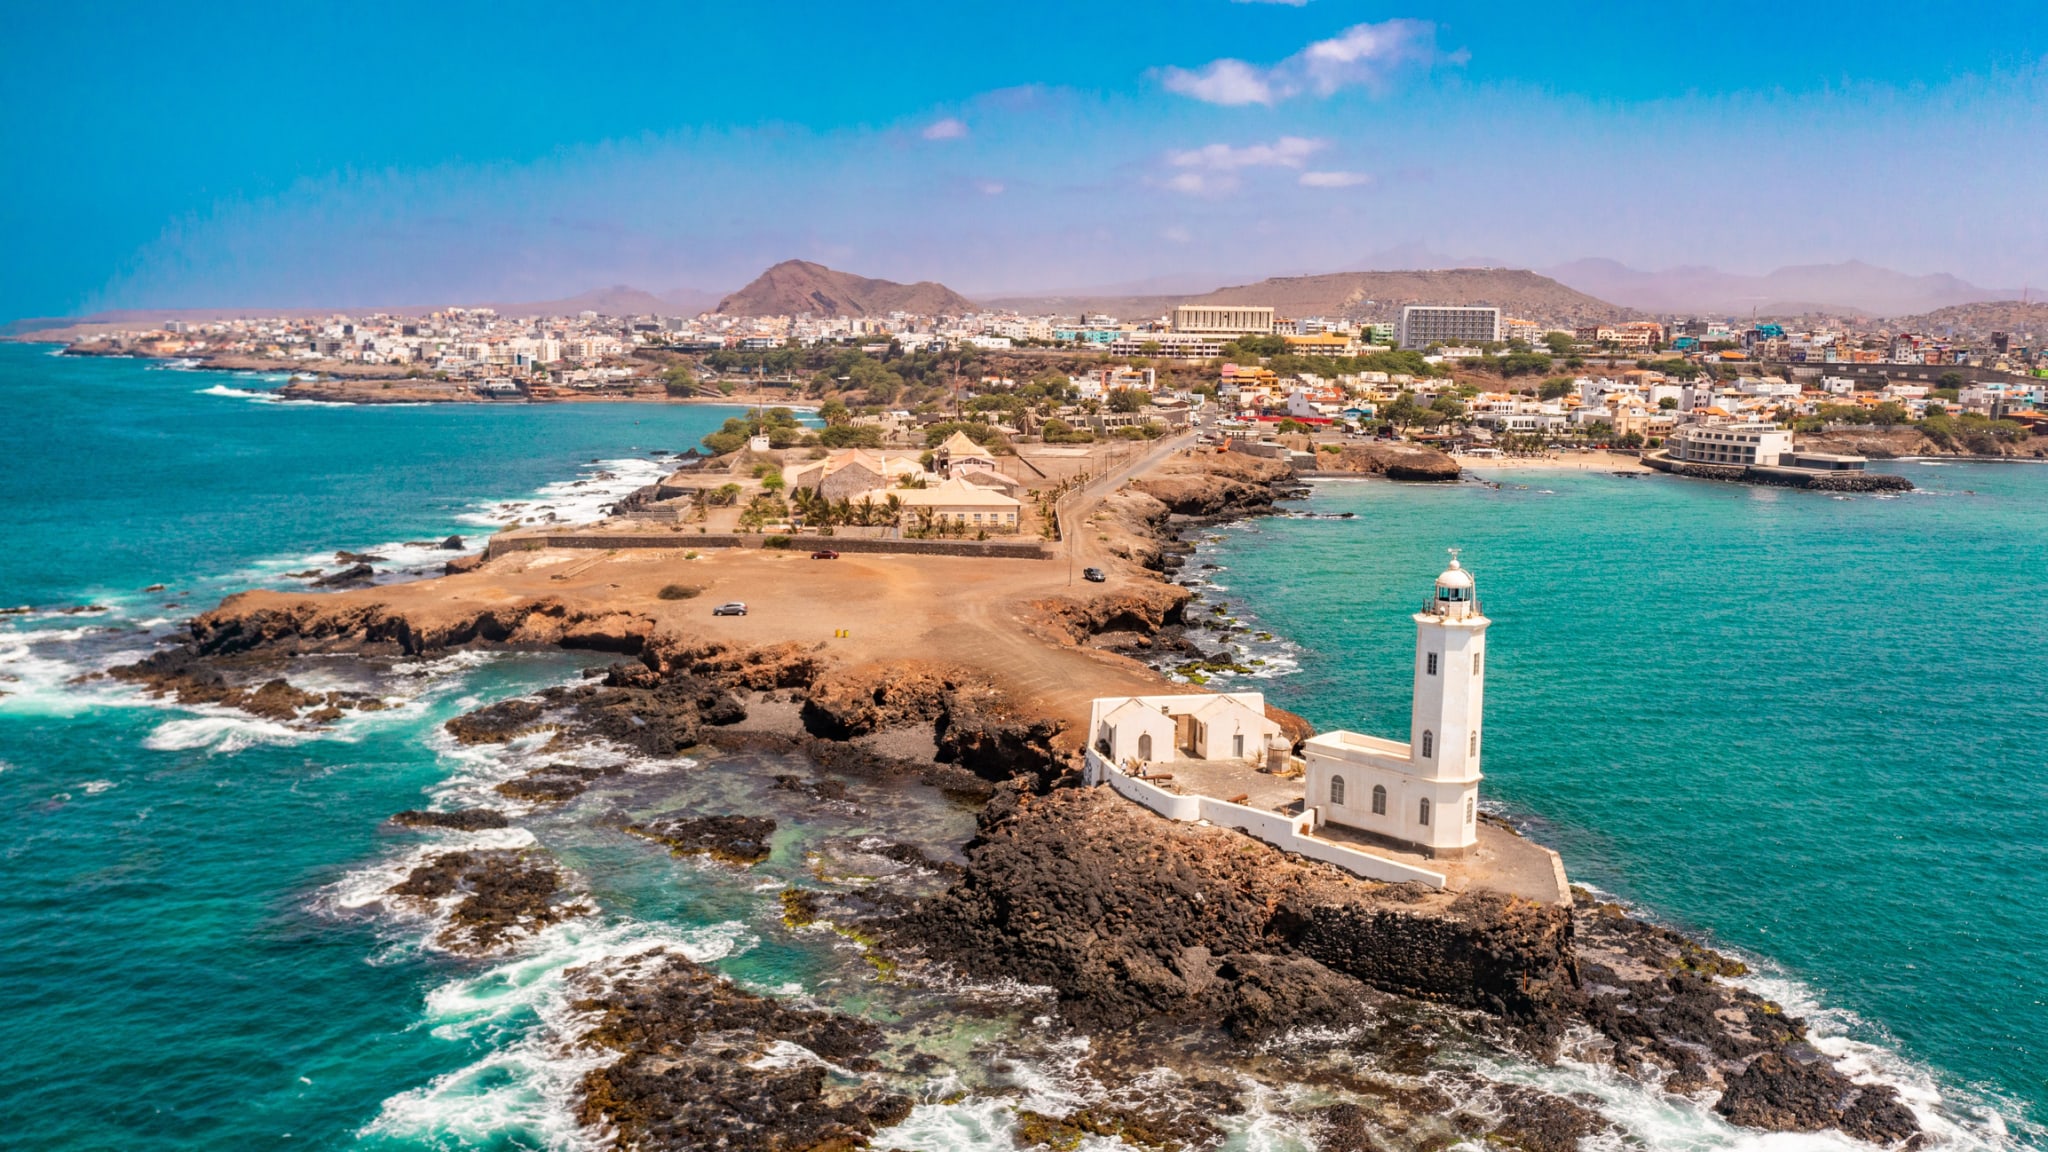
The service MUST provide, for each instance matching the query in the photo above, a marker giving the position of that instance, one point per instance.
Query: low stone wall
(605, 541)
(1288, 833)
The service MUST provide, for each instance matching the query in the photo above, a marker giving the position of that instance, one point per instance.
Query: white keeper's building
(1421, 795)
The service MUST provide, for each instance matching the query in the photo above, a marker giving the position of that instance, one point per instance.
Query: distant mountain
(1363, 296)
(795, 287)
(1381, 295)
(2026, 323)
(1851, 288)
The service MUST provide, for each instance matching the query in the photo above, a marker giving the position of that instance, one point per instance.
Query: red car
(824, 554)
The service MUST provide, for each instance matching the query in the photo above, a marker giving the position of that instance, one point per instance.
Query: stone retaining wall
(997, 549)
(1287, 833)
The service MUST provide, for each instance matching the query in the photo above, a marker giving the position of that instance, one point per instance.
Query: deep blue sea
(1805, 727)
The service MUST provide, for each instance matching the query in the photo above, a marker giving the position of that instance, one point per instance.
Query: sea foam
(524, 1089)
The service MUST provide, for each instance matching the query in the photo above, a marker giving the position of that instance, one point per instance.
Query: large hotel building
(1426, 324)
(1223, 320)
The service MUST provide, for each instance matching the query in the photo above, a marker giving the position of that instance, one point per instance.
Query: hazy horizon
(353, 158)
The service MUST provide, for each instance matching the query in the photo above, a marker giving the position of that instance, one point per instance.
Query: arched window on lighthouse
(1469, 805)
(1474, 751)
(1477, 659)
(1379, 800)
(1337, 790)
(1423, 817)
(1432, 663)
(1428, 745)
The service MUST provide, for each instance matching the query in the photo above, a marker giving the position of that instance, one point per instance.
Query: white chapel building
(1421, 795)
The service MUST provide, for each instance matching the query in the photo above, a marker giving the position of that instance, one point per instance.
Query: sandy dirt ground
(986, 614)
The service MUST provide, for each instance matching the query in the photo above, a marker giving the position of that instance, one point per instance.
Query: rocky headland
(1168, 946)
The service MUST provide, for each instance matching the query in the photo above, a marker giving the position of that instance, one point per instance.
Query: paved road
(1079, 546)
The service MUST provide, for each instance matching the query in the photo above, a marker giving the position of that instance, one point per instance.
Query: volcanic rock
(498, 723)
(503, 893)
(1782, 1093)
(347, 578)
(691, 1073)
(733, 839)
(462, 819)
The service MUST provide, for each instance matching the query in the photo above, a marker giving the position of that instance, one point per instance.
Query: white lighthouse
(1423, 795)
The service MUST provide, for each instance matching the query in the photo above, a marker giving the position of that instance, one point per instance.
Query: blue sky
(302, 155)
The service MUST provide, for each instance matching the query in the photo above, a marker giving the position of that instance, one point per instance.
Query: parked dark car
(1094, 574)
(824, 554)
(733, 609)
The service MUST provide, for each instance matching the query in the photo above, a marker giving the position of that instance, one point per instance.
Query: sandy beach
(1563, 462)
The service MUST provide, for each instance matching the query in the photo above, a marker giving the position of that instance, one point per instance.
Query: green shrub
(678, 591)
(775, 542)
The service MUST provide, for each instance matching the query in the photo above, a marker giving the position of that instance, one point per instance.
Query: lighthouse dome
(1454, 591)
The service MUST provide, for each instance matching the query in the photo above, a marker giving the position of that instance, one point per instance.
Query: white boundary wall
(1288, 833)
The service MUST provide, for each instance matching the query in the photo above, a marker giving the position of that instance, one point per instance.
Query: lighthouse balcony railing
(1431, 606)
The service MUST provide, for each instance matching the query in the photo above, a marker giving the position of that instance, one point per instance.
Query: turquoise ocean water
(1803, 726)
(1807, 726)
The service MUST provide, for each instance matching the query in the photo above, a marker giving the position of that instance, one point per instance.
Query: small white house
(1421, 795)
(1162, 729)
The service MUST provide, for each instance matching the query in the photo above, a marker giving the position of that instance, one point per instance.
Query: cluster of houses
(1646, 404)
(962, 490)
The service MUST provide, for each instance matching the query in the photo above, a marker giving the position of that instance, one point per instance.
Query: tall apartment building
(1426, 324)
(1223, 320)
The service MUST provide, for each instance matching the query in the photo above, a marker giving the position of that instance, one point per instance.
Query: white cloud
(1368, 54)
(947, 129)
(1212, 169)
(1362, 56)
(1286, 152)
(1177, 234)
(1334, 179)
(1228, 82)
(1199, 184)
(989, 187)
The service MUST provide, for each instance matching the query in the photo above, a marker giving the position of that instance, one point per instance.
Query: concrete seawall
(1818, 481)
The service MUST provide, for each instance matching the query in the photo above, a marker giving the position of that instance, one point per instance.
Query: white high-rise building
(1422, 795)
(1426, 324)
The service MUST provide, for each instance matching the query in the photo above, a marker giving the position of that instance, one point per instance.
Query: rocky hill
(795, 287)
(1366, 296)
(2027, 323)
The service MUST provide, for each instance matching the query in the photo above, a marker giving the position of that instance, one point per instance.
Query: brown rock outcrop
(1215, 484)
(1129, 916)
(1395, 461)
(260, 620)
(1142, 607)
